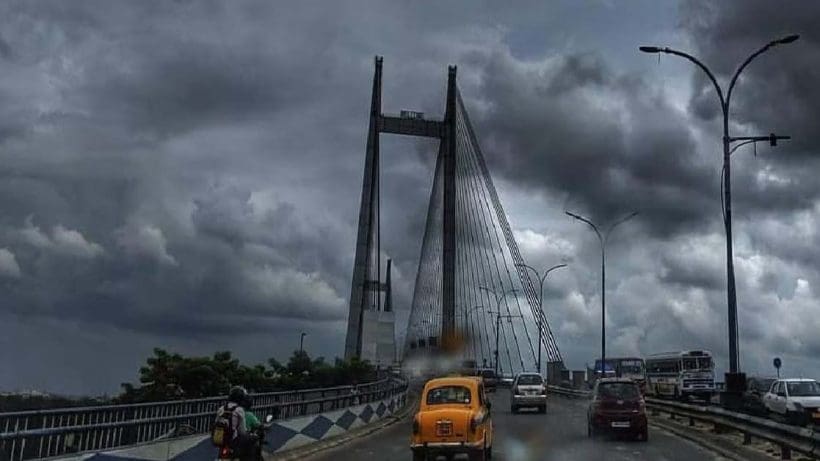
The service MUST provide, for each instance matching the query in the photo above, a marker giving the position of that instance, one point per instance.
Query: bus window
(705, 363)
(690, 364)
(632, 366)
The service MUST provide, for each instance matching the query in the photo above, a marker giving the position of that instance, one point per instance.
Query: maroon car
(617, 406)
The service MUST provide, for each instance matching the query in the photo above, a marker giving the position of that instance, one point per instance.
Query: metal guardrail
(64, 431)
(787, 438)
(567, 392)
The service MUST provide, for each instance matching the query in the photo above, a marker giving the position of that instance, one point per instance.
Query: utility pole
(735, 381)
(603, 239)
(541, 314)
(498, 298)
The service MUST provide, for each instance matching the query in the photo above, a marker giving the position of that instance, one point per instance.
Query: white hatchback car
(798, 400)
(528, 390)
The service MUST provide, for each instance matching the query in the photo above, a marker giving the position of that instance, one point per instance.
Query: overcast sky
(186, 174)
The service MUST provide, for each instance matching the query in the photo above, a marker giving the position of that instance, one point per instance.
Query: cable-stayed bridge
(472, 298)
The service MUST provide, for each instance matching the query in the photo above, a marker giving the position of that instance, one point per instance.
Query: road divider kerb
(343, 439)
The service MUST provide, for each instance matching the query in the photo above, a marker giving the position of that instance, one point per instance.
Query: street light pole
(302, 341)
(731, 293)
(498, 298)
(540, 303)
(468, 321)
(603, 240)
(498, 318)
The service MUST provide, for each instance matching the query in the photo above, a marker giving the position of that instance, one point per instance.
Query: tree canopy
(168, 376)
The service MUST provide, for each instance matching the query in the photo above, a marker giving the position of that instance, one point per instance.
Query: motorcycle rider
(243, 422)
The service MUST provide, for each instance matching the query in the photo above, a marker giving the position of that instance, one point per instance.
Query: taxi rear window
(448, 394)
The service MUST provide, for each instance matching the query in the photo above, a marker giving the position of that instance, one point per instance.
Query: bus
(622, 367)
(681, 374)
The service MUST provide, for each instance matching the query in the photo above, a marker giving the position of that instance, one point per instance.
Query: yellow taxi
(454, 417)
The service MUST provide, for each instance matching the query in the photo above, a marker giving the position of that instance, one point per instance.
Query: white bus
(681, 374)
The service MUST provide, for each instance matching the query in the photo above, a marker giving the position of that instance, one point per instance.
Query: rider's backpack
(222, 430)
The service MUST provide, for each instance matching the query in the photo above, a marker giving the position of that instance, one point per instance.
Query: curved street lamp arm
(593, 226)
(557, 266)
(748, 60)
(617, 223)
(723, 103)
(749, 141)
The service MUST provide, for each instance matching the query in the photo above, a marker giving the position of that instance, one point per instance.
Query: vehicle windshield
(529, 380)
(632, 366)
(804, 389)
(621, 391)
(448, 394)
(699, 363)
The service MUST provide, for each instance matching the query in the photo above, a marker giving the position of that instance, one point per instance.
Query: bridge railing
(787, 438)
(64, 431)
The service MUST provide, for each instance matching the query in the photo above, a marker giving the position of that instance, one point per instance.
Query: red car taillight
(543, 391)
(517, 390)
(416, 426)
(475, 421)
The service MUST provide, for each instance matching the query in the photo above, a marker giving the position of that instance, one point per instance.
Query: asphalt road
(558, 435)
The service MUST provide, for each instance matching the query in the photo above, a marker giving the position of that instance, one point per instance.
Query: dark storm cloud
(176, 171)
(576, 126)
(777, 92)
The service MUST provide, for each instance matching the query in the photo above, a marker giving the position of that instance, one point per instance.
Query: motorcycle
(227, 454)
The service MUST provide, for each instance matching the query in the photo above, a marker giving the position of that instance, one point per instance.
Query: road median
(311, 449)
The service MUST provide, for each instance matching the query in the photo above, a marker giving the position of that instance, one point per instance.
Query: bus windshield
(697, 363)
(632, 366)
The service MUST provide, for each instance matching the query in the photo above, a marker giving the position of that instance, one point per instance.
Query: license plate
(620, 424)
(444, 429)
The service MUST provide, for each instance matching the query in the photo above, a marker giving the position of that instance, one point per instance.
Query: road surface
(561, 434)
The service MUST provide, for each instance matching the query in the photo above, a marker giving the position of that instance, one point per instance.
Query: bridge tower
(466, 297)
(366, 287)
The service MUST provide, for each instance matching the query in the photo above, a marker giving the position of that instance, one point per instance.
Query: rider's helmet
(238, 395)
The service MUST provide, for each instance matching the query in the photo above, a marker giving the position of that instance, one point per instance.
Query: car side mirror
(268, 419)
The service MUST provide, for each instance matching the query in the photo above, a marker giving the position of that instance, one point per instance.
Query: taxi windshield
(448, 394)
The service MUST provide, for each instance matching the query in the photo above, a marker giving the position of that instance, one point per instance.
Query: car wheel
(513, 409)
(543, 409)
(479, 455)
(419, 456)
(490, 452)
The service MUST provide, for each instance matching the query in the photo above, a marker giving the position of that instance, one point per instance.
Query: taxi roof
(467, 381)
